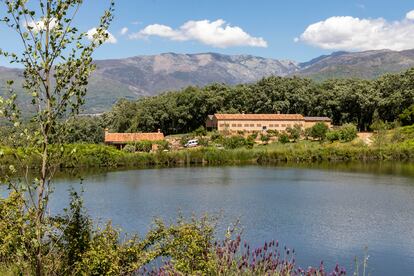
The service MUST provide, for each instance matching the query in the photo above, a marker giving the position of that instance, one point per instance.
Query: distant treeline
(343, 100)
(389, 98)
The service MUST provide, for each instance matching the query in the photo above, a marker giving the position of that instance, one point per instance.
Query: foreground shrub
(346, 133)
(234, 142)
(231, 256)
(333, 135)
(201, 131)
(294, 132)
(216, 136)
(273, 132)
(265, 138)
(407, 116)
(318, 131)
(284, 138)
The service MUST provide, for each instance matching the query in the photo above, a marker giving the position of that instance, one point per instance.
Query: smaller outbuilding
(121, 139)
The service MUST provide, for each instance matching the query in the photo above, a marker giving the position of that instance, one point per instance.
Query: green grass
(102, 156)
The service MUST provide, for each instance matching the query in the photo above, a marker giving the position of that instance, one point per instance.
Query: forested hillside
(136, 77)
(343, 100)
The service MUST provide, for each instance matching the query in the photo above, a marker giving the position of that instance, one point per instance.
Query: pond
(328, 213)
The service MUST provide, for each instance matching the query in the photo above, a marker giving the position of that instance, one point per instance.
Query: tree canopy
(343, 100)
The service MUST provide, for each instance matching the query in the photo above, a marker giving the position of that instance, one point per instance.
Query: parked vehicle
(191, 143)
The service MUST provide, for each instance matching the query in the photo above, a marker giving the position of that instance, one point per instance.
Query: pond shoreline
(101, 156)
(85, 157)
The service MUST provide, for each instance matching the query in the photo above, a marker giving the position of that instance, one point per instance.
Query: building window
(283, 125)
(239, 125)
(251, 125)
(233, 125)
(259, 125)
(270, 125)
(246, 125)
(289, 125)
(276, 125)
(227, 125)
(221, 125)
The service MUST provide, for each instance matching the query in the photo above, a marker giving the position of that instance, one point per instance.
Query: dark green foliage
(215, 135)
(76, 230)
(345, 133)
(284, 138)
(200, 131)
(348, 132)
(333, 135)
(318, 131)
(143, 146)
(254, 135)
(343, 100)
(84, 129)
(294, 132)
(203, 142)
(407, 116)
(235, 142)
(265, 138)
(250, 142)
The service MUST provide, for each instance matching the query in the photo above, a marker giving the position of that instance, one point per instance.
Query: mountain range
(139, 76)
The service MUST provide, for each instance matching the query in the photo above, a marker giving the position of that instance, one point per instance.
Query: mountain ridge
(149, 75)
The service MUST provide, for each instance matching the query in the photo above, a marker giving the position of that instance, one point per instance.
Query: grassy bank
(97, 155)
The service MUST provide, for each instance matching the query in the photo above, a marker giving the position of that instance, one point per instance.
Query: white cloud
(410, 15)
(37, 26)
(124, 30)
(350, 33)
(214, 33)
(111, 39)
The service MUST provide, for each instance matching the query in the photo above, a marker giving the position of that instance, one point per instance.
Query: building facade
(261, 122)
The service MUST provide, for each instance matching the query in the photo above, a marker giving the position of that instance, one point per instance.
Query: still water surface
(325, 213)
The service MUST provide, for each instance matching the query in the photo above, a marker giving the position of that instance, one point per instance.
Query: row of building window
(252, 125)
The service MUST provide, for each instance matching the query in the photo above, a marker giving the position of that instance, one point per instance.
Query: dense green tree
(318, 131)
(343, 100)
(57, 62)
(407, 116)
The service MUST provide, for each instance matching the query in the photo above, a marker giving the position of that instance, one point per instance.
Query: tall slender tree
(57, 61)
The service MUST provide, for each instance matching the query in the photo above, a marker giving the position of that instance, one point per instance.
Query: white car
(191, 143)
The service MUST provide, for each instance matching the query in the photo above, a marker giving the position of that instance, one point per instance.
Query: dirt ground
(366, 137)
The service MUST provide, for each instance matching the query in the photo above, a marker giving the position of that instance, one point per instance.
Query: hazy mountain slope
(139, 76)
(368, 64)
(147, 75)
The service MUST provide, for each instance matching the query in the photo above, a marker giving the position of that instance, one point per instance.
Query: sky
(298, 30)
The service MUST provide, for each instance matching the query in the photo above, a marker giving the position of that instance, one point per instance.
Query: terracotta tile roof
(318, 119)
(293, 117)
(132, 137)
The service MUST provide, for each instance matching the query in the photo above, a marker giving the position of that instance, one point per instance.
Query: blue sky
(265, 28)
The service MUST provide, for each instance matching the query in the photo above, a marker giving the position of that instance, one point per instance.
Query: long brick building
(260, 122)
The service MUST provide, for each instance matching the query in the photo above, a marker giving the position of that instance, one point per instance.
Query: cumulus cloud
(91, 33)
(37, 26)
(124, 30)
(350, 33)
(213, 33)
(410, 15)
